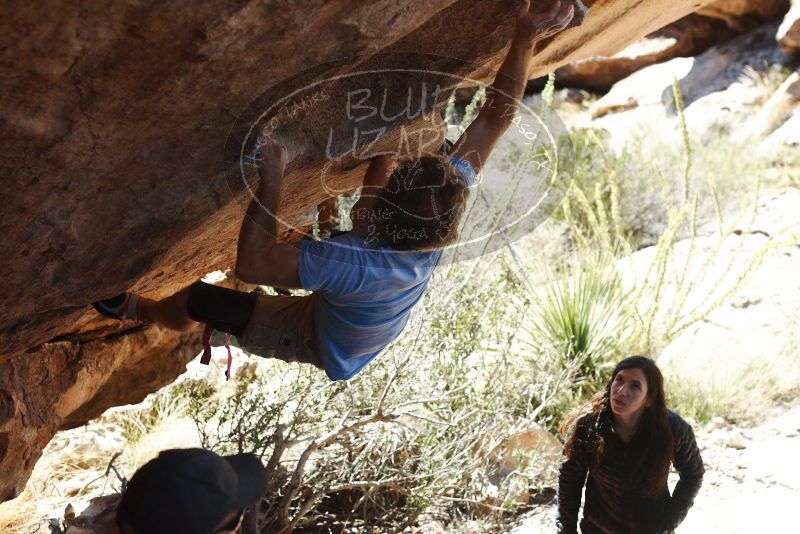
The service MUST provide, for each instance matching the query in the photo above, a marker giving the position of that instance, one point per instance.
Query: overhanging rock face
(65, 383)
(114, 119)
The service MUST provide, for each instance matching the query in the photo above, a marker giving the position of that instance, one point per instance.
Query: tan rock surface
(100, 517)
(113, 120)
(685, 37)
(642, 88)
(754, 328)
(778, 108)
(65, 383)
(743, 14)
(118, 128)
(748, 55)
(522, 449)
(713, 24)
(785, 139)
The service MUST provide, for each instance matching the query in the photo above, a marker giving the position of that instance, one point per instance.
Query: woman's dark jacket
(611, 503)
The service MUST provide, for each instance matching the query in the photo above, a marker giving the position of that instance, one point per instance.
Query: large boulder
(113, 122)
(741, 15)
(746, 58)
(712, 24)
(685, 37)
(751, 336)
(100, 517)
(65, 383)
(780, 106)
(532, 451)
(523, 449)
(784, 140)
(725, 89)
(718, 68)
(642, 88)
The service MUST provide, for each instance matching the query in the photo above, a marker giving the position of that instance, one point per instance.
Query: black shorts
(224, 309)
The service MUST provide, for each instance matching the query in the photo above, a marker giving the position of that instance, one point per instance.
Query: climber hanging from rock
(365, 282)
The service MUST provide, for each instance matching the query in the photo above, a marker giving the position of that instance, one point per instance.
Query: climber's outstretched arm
(503, 96)
(260, 259)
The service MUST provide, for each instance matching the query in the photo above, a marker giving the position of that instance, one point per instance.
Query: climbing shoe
(122, 307)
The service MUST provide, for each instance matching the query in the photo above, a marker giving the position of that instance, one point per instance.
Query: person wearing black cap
(191, 491)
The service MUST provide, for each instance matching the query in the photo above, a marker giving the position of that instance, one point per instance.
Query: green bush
(581, 316)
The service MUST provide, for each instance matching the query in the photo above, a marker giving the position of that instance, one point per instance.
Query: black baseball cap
(190, 491)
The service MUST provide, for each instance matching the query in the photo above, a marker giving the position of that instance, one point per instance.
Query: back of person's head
(421, 206)
(190, 491)
(586, 429)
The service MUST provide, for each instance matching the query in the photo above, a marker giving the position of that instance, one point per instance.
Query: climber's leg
(283, 328)
(224, 309)
(171, 312)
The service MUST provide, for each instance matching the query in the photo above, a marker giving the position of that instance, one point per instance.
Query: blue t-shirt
(366, 293)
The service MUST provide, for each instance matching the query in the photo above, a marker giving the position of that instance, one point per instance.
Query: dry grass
(738, 386)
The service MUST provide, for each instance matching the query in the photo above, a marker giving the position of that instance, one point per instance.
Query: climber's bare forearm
(504, 94)
(508, 87)
(501, 106)
(260, 227)
(260, 259)
(502, 103)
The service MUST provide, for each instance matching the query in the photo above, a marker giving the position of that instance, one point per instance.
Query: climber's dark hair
(421, 205)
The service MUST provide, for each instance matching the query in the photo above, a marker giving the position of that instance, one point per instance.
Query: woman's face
(629, 392)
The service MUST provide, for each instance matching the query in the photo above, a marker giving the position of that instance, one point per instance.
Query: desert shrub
(769, 77)
(761, 379)
(692, 400)
(657, 170)
(580, 316)
(408, 440)
(157, 410)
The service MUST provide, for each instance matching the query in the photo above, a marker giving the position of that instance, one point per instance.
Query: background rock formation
(65, 383)
(713, 24)
(744, 14)
(114, 118)
(685, 37)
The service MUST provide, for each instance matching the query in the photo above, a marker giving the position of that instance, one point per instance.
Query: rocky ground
(752, 481)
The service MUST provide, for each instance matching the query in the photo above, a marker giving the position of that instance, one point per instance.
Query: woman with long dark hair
(625, 438)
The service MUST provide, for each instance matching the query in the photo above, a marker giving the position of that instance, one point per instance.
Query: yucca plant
(581, 316)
